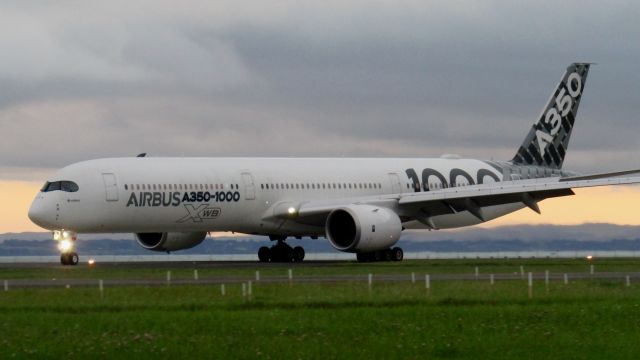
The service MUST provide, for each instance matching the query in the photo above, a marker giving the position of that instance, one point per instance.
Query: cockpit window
(66, 186)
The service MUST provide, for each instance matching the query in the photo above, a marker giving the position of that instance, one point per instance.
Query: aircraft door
(110, 186)
(249, 186)
(396, 187)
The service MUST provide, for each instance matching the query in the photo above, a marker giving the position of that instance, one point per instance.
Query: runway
(162, 278)
(243, 264)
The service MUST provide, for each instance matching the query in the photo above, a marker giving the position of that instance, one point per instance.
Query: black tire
(264, 254)
(289, 254)
(397, 254)
(298, 254)
(378, 255)
(388, 255)
(74, 259)
(363, 257)
(64, 259)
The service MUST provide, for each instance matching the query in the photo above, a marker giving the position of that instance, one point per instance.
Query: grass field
(590, 319)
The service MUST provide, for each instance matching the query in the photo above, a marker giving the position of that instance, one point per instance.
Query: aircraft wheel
(397, 254)
(387, 255)
(289, 254)
(264, 254)
(298, 254)
(378, 255)
(64, 259)
(363, 257)
(73, 258)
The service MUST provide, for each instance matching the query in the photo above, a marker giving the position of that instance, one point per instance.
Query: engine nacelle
(170, 241)
(362, 228)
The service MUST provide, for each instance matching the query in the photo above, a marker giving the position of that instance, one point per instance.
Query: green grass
(588, 319)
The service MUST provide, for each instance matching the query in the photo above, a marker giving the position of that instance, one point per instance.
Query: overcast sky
(82, 79)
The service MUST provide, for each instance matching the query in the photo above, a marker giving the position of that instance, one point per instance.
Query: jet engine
(362, 228)
(171, 241)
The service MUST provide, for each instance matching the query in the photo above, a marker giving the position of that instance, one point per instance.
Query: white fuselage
(239, 194)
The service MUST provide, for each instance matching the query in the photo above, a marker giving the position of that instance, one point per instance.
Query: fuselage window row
(319, 186)
(173, 187)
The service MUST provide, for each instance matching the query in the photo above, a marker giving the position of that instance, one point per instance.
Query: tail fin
(547, 141)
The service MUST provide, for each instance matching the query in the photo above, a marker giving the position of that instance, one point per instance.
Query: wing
(423, 205)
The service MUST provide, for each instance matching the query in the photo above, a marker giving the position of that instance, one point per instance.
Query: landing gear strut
(281, 252)
(395, 254)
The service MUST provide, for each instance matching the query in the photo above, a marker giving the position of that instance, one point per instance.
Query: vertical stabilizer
(547, 141)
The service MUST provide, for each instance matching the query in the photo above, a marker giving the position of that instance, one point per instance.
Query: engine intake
(361, 228)
(170, 241)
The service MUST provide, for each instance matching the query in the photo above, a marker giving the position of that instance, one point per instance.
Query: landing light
(65, 245)
(589, 257)
(57, 235)
(291, 210)
(91, 262)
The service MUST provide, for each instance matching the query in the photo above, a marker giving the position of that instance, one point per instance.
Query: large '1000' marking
(453, 175)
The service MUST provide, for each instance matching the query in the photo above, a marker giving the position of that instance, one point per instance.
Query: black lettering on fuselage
(167, 199)
(430, 172)
(484, 172)
(453, 175)
(132, 200)
(415, 182)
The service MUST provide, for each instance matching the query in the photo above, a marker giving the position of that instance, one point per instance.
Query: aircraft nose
(38, 213)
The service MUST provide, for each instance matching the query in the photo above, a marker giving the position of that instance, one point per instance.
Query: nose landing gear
(66, 243)
(69, 258)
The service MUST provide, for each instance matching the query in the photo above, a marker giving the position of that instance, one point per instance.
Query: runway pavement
(271, 279)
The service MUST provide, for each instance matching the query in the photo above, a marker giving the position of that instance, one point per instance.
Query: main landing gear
(281, 252)
(395, 254)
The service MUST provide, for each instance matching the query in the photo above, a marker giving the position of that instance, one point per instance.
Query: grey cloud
(299, 79)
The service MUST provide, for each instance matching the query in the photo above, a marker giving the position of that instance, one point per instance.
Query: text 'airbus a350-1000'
(361, 205)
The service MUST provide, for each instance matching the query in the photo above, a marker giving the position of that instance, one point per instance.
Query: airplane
(360, 205)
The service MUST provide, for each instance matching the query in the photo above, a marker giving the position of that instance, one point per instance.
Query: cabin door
(110, 186)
